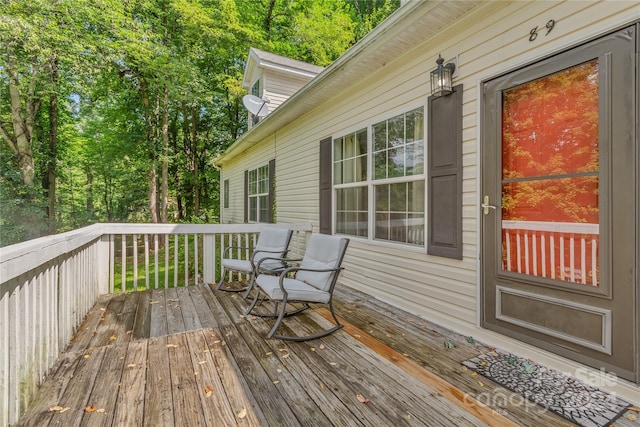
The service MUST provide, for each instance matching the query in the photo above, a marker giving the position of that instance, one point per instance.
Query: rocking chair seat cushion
(237, 265)
(297, 290)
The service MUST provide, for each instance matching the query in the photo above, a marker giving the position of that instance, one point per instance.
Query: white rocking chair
(273, 243)
(312, 282)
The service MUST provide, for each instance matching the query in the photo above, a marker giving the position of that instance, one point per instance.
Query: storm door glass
(550, 167)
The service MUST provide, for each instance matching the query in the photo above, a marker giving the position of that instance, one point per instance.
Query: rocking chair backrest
(275, 241)
(323, 252)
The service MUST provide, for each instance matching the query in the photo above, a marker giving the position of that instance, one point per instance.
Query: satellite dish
(256, 106)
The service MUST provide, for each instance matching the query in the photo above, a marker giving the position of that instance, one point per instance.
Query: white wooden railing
(48, 285)
(557, 250)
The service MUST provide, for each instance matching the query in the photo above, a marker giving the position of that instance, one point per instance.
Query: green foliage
(137, 85)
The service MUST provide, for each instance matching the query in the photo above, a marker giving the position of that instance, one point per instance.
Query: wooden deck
(189, 357)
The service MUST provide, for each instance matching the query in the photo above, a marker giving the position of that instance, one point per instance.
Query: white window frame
(370, 183)
(254, 215)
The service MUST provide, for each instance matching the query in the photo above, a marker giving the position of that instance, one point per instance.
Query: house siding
(487, 42)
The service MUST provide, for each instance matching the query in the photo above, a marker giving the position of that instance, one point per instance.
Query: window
(350, 180)
(394, 183)
(398, 164)
(226, 194)
(258, 194)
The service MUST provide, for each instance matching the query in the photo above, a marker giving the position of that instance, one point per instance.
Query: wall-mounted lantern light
(441, 78)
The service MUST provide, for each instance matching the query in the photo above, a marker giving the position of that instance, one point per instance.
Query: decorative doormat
(571, 398)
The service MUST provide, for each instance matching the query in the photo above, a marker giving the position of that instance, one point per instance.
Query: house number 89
(533, 34)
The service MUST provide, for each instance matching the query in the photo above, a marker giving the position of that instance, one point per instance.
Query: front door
(560, 204)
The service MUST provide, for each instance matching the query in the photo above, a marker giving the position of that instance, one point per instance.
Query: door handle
(486, 206)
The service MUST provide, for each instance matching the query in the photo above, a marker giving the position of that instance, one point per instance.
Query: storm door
(559, 204)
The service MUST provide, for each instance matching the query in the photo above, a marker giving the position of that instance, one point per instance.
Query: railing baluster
(112, 259)
(176, 243)
(124, 262)
(572, 266)
(543, 254)
(594, 263)
(186, 259)
(518, 252)
(135, 262)
(534, 238)
(507, 239)
(195, 259)
(147, 285)
(562, 275)
(166, 261)
(583, 260)
(552, 250)
(156, 265)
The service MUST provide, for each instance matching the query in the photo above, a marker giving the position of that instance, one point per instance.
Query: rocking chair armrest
(284, 260)
(292, 269)
(253, 254)
(228, 248)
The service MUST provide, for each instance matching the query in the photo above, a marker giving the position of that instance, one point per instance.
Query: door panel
(559, 160)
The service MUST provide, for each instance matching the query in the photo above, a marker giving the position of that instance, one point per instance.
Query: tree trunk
(20, 141)
(53, 147)
(165, 155)
(196, 177)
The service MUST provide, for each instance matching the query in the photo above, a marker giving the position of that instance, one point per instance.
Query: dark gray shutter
(272, 190)
(325, 186)
(246, 196)
(445, 175)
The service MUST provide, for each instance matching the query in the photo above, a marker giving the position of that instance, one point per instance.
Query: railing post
(209, 258)
(103, 263)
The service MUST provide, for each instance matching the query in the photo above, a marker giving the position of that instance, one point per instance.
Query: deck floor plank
(213, 398)
(158, 405)
(188, 310)
(103, 396)
(186, 400)
(50, 393)
(142, 325)
(153, 356)
(76, 395)
(276, 366)
(158, 322)
(131, 389)
(87, 331)
(397, 388)
(175, 321)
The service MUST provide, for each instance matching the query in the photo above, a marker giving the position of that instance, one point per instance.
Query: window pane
(352, 211)
(380, 136)
(550, 163)
(361, 137)
(337, 149)
(382, 197)
(337, 173)
(380, 165)
(361, 168)
(396, 162)
(264, 209)
(415, 229)
(415, 125)
(253, 209)
(396, 131)
(415, 197)
(382, 226)
(415, 158)
(398, 197)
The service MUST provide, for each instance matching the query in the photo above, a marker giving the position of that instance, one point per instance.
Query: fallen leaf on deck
(131, 365)
(284, 356)
(154, 302)
(332, 363)
(86, 356)
(113, 338)
(464, 368)
(473, 374)
(321, 346)
(202, 362)
(101, 411)
(268, 353)
(129, 332)
(90, 408)
(242, 413)
(216, 342)
(208, 391)
(276, 382)
(172, 346)
(409, 417)
(634, 409)
(361, 398)
(480, 383)
(59, 409)
(357, 335)
(632, 417)
(313, 349)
